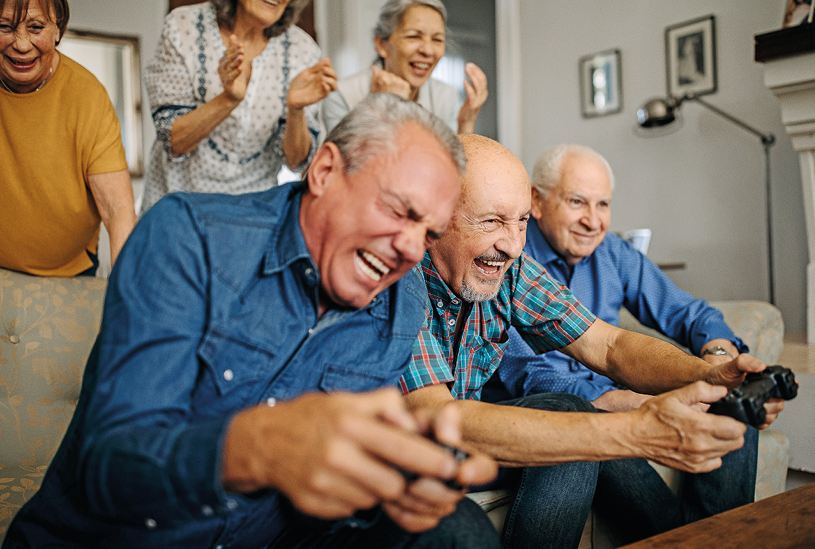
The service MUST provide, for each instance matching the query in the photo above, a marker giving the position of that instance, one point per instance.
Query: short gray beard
(469, 294)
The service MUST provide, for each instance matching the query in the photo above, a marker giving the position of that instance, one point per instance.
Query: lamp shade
(655, 113)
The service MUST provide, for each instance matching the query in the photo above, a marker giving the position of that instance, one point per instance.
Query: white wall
(143, 19)
(701, 189)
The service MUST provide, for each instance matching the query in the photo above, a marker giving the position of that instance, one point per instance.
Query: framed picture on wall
(600, 88)
(797, 12)
(690, 57)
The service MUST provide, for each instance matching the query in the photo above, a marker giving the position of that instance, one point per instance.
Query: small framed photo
(690, 57)
(797, 12)
(600, 89)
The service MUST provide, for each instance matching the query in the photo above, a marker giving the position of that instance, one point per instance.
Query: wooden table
(785, 521)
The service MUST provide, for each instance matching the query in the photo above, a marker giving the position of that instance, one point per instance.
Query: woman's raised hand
(234, 71)
(312, 85)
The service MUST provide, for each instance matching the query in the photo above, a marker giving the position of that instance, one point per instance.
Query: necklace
(38, 88)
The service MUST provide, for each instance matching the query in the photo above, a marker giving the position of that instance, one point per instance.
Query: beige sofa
(47, 329)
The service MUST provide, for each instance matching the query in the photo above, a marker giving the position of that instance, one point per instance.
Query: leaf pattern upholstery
(47, 329)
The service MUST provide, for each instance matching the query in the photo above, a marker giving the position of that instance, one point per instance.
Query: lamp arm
(766, 138)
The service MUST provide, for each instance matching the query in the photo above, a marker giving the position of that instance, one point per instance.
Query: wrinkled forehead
(586, 176)
(495, 185)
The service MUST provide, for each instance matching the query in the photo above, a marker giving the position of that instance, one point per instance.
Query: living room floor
(800, 358)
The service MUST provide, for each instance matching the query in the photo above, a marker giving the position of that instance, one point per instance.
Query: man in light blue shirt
(571, 204)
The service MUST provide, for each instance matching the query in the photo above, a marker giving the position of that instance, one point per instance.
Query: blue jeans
(552, 503)
(467, 528)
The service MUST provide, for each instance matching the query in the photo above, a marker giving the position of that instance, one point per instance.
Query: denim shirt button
(150, 523)
(353, 524)
(207, 511)
(228, 375)
(452, 322)
(440, 304)
(309, 270)
(271, 401)
(310, 331)
(219, 547)
(231, 504)
(455, 302)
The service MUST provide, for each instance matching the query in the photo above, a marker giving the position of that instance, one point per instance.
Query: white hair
(549, 166)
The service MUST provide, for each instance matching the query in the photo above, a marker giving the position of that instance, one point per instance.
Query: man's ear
(537, 198)
(326, 165)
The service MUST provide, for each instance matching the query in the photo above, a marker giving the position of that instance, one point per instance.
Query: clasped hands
(335, 454)
(475, 87)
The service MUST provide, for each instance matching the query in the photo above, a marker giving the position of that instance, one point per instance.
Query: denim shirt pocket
(235, 372)
(338, 377)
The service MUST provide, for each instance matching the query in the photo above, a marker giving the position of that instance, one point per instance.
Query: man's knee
(555, 402)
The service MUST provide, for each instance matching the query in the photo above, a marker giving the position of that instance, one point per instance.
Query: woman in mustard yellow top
(62, 164)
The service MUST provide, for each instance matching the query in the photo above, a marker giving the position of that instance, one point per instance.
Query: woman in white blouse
(233, 90)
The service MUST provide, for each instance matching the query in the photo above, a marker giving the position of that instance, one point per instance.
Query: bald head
(488, 228)
(489, 163)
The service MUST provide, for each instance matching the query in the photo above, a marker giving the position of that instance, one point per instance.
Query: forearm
(296, 138)
(192, 128)
(522, 437)
(119, 227)
(643, 364)
(519, 437)
(466, 124)
(652, 366)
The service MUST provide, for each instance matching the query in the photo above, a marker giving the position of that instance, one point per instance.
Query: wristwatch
(716, 350)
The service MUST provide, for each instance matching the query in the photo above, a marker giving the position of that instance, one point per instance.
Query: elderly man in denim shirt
(193, 429)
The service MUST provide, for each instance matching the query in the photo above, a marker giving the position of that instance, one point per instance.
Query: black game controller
(746, 403)
(452, 483)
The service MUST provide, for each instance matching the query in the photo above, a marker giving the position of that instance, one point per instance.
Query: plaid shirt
(545, 313)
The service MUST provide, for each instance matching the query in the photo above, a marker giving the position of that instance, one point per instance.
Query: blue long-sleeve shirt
(211, 308)
(614, 276)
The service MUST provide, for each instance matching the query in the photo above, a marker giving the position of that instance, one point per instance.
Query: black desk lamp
(661, 112)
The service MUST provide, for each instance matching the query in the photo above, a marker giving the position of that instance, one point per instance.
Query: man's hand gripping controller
(458, 454)
(746, 403)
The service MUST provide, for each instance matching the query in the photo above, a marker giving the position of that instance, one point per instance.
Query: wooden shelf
(785, 42)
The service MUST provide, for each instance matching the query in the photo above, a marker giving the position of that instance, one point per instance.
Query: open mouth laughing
(491, 265)
(371, 265)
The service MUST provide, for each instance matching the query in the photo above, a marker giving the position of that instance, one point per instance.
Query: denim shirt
(615, 275)
(211, 308)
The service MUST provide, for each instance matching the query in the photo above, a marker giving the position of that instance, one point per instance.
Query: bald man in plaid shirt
(479, 284)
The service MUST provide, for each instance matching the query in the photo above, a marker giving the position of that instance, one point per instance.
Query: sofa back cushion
(47, 329)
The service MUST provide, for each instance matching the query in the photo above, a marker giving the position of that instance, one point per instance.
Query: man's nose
(411, 242)
(513, 241)
(592, 218)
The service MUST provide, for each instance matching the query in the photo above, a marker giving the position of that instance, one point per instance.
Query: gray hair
(225, 15)
(391, 13)
(371, 128)
(549, 166)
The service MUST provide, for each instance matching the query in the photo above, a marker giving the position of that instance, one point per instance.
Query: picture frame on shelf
(600, 83)
(690, 57)
(797, 12)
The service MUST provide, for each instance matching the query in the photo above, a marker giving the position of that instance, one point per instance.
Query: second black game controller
(746, 402)
(459, 454)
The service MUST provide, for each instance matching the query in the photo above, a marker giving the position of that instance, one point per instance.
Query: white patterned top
(244, 153)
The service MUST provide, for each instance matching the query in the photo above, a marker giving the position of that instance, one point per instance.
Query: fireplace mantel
(788, 56)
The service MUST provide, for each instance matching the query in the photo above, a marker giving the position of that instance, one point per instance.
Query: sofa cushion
(47, 329)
